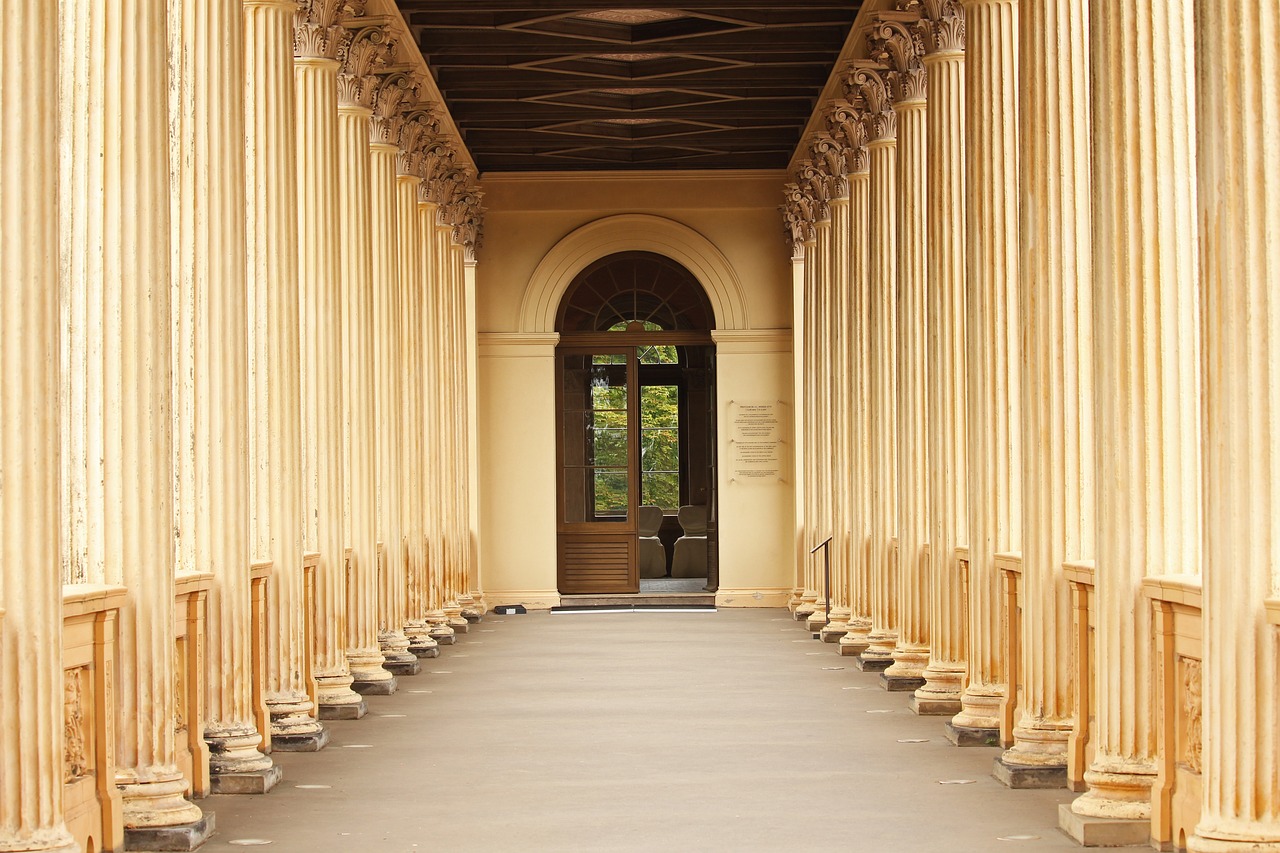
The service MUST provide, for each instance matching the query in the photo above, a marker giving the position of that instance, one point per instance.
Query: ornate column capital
(817, 184)
(831, 156)
(941, 25)
(390, 96)
(844, 121)
(897, 43)
(317, 33)
(362, 54)
(466, 213)
(869, 84)
(418, 128)
(798, 218)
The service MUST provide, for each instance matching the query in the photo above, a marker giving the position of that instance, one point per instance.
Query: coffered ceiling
(542, 86)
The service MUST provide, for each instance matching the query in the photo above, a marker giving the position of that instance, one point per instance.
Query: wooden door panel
(591, 563)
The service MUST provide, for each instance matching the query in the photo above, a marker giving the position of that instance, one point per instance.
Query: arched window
(634, 291)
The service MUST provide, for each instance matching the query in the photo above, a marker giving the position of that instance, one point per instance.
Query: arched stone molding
(631, 232)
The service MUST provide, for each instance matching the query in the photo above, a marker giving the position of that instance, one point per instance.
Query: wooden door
(598, 428)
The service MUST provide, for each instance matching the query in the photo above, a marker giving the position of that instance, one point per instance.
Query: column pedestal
(235, 764)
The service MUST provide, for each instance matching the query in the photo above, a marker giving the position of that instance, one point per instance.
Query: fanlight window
(634, 291)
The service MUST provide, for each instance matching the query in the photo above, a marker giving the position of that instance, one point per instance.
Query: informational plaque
(757, 442)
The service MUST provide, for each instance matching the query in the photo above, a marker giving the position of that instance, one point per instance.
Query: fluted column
(211, 393)
(1057, 382)
(845, 123)
(943, 30)
(452, 573)
(991, 269)
(390, 441)
(1146, 323)
(1238, 122)
(118, 477)
(434, 275)
(31, 679)
(806, 606)
(275, 426)
(881, 124)
(366, 53)
(908, 90)
(316, 37)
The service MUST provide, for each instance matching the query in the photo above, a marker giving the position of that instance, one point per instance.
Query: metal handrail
(826, 574)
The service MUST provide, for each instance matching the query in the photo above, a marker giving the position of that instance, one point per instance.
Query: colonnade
(1050, 441)
(237, 423)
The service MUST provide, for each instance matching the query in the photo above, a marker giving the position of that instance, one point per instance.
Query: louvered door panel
(598, 563)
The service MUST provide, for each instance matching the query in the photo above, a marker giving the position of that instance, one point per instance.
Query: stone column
(385, 134)
(1057, 382)
(845, 123)
(943, 31)
(453, 572)
(1146, 322)
(831, 155)
(1238, 121)
(806, 606)
(795, 218)
(991, 271)
(31, 679)
(881, 127)
(211, 394)
(897, 44)
(316, 40)
(118, 476)
(275, 426)
(472, 599)
(365, 52)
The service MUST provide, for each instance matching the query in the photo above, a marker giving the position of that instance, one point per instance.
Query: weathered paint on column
(881, 125)
(31, 527)
(316, 38)
(275, 424)
(1146, 369)
(1057, 380)
(943, 30)
(366, 53)
(907, 92)
(1238, 130)
(211, 393)
(991, 270)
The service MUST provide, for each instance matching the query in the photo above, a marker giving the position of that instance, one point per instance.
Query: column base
(473, 615)
(817, 621)
(1102, 831)
(380, 687)
(803, 611)
(443, 635)
(851, 650)
(185, 836)
(833, 633)
(431, 651)
(1030, 775)
(971, 736)
(901, 683)
(931, 707)
(344, 711)
(1198, 844)
(872, 664)
(308, 742)
(405, 667)
(249, 782)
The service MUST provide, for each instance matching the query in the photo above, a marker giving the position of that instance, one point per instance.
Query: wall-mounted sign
(756, 440)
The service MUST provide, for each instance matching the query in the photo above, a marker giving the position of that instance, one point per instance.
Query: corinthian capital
(391, 95)
(817, 184)
(897, 44)
(831, 155)
(845, 123)
(798, 218)
(419, 127)
(467, 215)
(316, 31)
(360, 57)
(941, 25)
(870, 85)
(444, 188)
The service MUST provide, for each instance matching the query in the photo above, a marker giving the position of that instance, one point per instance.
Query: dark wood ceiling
(537, 86)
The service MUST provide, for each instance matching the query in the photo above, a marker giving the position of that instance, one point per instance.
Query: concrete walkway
(728, 731)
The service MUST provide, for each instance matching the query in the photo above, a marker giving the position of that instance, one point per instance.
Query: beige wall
(726, 227)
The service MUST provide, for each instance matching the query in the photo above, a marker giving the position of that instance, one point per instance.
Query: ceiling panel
(537, 86)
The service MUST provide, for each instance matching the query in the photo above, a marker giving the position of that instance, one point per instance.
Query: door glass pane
(595, 445)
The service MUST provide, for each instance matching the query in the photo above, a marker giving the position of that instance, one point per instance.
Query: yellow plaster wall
(528, 215)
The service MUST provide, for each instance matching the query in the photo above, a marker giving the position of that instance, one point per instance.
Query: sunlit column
(366, 53)
(1146, 324)
(211, 393)
(991, 270)
(275, 424)
(907, 93)
(943, 30)
(1057, 382)
(881, 128)
(845, 123)
(316, 39)
(31, 679)
(1238, 122)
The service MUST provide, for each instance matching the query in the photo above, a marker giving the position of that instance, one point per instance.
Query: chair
(690, 557)
(653, 554)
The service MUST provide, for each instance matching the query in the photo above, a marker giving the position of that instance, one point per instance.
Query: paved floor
(728, 731)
